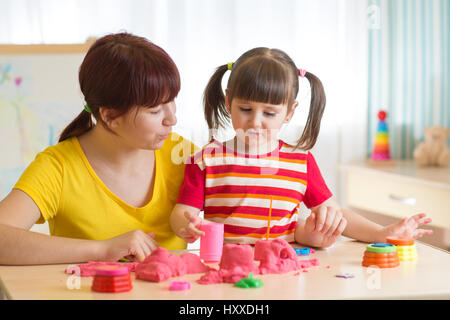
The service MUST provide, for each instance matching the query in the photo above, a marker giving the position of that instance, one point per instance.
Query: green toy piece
(249, 282)
(381, 248)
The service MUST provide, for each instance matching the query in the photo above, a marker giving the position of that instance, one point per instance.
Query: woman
(108, 187)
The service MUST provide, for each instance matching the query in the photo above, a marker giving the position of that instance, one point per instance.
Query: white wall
(325, 37)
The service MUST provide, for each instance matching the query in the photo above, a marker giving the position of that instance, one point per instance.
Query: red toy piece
(382, 115)
(112, 279)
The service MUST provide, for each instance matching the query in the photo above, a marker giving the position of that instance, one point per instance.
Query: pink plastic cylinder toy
(211, 244)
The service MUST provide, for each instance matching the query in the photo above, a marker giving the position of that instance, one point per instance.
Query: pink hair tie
(302, 72)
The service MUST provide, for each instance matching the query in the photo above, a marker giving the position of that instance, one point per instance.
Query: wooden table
(426, 278)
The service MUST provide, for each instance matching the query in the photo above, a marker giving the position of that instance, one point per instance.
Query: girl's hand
(408, 227)
(135, 245)
(192, 231)
(324, 226)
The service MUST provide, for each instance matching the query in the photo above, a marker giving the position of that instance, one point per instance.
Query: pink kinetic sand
(235, 264)
(88, 269)
(308, 263)
(238, 260)
(161, 265)
(274, 256)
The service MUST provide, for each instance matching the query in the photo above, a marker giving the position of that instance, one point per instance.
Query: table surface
(425, 278)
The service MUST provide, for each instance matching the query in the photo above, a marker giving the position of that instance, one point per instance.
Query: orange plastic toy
(374, 256)
(400, 241)
(406, 248)
(112, 279)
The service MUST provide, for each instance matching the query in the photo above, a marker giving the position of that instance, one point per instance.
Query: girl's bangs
(265, 81)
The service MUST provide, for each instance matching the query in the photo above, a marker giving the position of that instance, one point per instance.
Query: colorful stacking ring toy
(112, 279)
(382, 255)
(381, 248)
(406, 248)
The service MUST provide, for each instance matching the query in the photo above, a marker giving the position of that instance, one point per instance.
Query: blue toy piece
(302, 251)
(381, 248)
(382, 245)
(382, 126)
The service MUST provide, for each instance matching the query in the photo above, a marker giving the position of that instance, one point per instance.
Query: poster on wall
(39, 96)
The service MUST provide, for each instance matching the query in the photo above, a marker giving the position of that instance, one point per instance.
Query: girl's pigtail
(216, 113)
(81, 124)
(316, 109)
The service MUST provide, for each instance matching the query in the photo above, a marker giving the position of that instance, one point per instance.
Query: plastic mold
(179, 285)
(112, 279)
(249, 282)
(302, 251)
(406, 248)
(381, 255)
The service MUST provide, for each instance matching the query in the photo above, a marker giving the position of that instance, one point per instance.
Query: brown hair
(119, 72)
(268, 76)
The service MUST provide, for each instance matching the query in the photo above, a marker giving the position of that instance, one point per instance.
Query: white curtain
(325, 37)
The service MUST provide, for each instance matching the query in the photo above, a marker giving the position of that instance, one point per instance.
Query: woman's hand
(192, 231)
(135, 245)
(324, 226)
(408, 227)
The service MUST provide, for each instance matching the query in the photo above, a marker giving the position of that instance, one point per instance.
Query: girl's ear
(291, 111)
(108, 117)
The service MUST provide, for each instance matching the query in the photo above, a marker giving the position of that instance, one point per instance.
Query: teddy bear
(433, 151)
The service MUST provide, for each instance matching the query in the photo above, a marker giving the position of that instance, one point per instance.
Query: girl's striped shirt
(236, 189)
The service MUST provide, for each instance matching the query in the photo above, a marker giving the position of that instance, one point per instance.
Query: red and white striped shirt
(236, 189)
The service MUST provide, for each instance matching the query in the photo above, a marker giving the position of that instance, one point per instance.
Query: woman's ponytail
(216, 113)
(81, 124)
(318, 100)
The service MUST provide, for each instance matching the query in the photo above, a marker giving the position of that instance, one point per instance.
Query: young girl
(106, 188)
(255, 178)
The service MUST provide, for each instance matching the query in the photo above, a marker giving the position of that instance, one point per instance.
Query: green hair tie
(230, 65)
(87, 109)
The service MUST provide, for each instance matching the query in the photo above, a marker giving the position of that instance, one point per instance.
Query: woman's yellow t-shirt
(77, 204)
